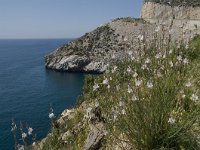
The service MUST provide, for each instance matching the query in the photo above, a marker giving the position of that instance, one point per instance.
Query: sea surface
(27, 89)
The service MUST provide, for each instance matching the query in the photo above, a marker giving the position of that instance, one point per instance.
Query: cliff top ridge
(193, 3)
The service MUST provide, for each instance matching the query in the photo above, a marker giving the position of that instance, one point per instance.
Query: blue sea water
(27, 88)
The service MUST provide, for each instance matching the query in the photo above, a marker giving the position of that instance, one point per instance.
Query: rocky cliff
(94, 51)
(97, 50)
(112, 42)
(164, 13)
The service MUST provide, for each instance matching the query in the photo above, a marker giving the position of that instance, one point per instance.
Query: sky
(28, 19)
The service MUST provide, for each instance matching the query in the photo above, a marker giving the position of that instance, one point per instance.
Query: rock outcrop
(159, 13)
(96, 51)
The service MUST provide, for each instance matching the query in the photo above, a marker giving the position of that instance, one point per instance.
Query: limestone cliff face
(97, 50)
(153, 10)
(156, 12)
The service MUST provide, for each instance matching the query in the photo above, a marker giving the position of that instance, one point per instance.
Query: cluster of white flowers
(105, 81)
(129, 69)
(21, 147)
(24, 135)
(171, 64)
(129, 89)
(135, 98)
(138, 82)
(123, 111)
(188, 84)
(135, 74)
(179, 58)
(158, 56)
(130, 53)
(121, 103)
(157, 29)
(141, 38)
(144, 66)
(114, 69)
(30, 131)
(150, 85)
(194, 97)
(95, 87)
(147, 61)
(51, 115)
(185, 61)
(13, 126)
(114, 113)
(171, 120)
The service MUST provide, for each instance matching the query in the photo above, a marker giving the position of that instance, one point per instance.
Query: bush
(152, 102)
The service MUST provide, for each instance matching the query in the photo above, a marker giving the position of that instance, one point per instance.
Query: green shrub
(153, 101)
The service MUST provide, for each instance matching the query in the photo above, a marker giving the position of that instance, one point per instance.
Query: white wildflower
(147, 61)
(150, 85)
(51, 115)
(125, 39)
(95, 87)
(129, 69)
(170, 51)
(164, 56)
(114, 116)
(188, 84)
(186, 46)
(132, 58)
(96, 103)
(171, 64)
(110, 78)
(171, 31)
(14, 127)
(129, 89)
(113, 56)
(144, 66)
(30, 131)
(21, 147)
(183, 96)
(123, 112)
(158, 56)
(141, 37)
(117, 87)
(157, 29)
(130, 53)
(171, 120)
(194, 97)
(185, 61)
(115, 113)
(108, 86)
(159, 74)
(135, 75)
(114, 69)
(134, 98)
(138, 82)
(33, 144)
(121, 104)
(105, 81)
(24, 135)
(179, 58)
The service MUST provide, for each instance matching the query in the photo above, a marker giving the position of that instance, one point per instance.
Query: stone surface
(96, 51)
(95, 137)
(153, 12)
(97, 131)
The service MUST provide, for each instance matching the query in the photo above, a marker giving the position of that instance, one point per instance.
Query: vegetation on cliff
(194, 3)
(147, 102)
